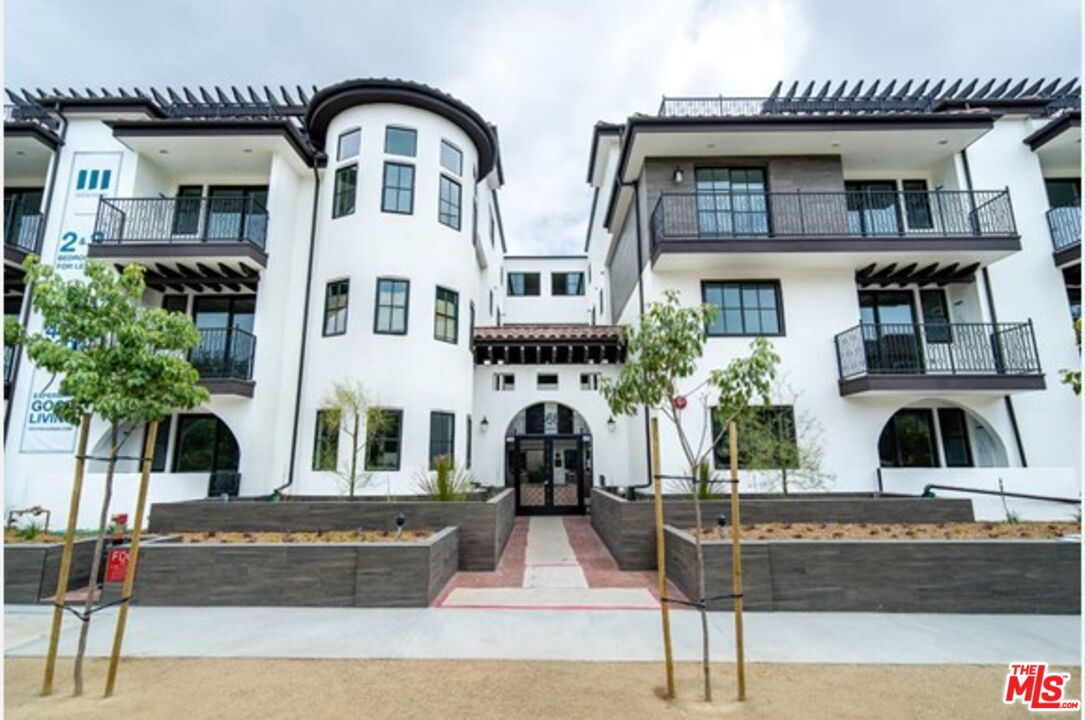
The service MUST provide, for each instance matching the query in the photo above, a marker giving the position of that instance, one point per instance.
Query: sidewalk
(589, 635)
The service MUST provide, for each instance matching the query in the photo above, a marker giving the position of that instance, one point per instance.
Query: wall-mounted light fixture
(611, 423)
(678, 175)
(484, 424)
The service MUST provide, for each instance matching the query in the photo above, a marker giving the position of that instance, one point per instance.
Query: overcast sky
(542, 71)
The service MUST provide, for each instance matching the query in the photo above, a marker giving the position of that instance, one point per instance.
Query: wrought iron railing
(224, 354)
(32, 113)
(848, 213)
(181, 220)
(22, 228)
(1065, 226)
(937, 349)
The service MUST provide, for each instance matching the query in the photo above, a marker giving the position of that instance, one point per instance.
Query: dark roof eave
(601, 128)
(20, 128)
(104, 104)
(1053, 129)
(174, 128)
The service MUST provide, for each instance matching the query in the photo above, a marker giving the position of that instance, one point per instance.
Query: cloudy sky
(543, 70)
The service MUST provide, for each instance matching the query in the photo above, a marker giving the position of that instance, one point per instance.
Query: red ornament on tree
(680, 402)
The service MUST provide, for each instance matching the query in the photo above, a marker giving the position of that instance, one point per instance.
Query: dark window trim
(780, 314)
(459, 206)
(469, 448)
(336, 192)
(566, 273)
(317, 427)
(384, 186)
(440, 153)
(177, 427)
(346, 308)
(455, 317)
(933, 437)
(406, 307)
(405, 128)
(508, 278)
(451, 437)
(339, 143)
(399, 443)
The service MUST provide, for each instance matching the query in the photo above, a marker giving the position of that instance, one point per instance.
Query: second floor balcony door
(731, 201)
(226, 340)
(236, 212)
(890, 333)
(873, 208)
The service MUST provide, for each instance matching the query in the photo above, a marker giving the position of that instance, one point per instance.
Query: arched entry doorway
(548, 459)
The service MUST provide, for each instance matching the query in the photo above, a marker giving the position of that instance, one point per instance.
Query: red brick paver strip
(602, 570)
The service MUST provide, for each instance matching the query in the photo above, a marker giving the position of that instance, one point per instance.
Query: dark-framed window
(203, 443)
(446, 315)
(917, 205)
(504, 381)
(161, 445)
(731, 201)
(449, 202)
(908, 440)
(779, 420)
(955, 443)
(385, 447)
(935, 308)
(491, 302)
(400, 141)
(393, 302)
(546, 381)
(346, 186)
(523, 284)
(350, 144)
(442, 437)
(744, 307)
(336, 299)
(326, 440)
(493, 231)
(566, 283)
(186, 218)
(451, 158)
(398, 190)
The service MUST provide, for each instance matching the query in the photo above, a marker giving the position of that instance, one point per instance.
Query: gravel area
(894, 531)
(330, 536)
(164, 689)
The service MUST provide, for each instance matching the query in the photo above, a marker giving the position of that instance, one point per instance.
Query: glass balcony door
(236, 212)
(226, 340)
(890, 332)
(873, 208)
(731, 201)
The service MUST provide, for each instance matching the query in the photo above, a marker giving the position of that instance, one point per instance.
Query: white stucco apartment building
(913, 253)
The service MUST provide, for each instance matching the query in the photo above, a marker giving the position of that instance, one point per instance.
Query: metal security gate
(548, 473)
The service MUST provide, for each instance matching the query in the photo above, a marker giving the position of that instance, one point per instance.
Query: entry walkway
(549, 572)
(595, 635)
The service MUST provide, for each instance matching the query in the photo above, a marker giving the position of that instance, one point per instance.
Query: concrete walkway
(594, 635)
(552, 578)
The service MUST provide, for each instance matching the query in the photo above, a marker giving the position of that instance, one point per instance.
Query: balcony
(1065, 226)
(184, 237)
(22, 232)
(224, 360)
(858, 222)
(949, 357)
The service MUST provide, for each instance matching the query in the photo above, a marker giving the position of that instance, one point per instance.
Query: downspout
(28, 294)
(989, 297)
(304, 332)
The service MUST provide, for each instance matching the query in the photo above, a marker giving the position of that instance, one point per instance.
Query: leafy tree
(364, 421)
(784, 450)
(661, 354)
(116, 359)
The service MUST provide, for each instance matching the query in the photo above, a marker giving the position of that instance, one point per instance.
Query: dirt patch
(23, 537)
(896, 531)
(164, 689)
(330, 536)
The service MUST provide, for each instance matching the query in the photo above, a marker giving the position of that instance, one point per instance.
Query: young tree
(784, 449)
(116, 359)
(661, 353)
(361, 422)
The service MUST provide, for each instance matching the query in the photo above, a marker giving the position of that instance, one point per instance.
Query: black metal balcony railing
(758, 215)
(1065, 225)
(22, 228)
(181, 220)
(224, 354)
(929, 349)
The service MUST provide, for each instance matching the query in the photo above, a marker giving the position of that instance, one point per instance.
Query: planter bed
(627, 527)
(902, 574)
(484, 524)
(31, 568)
(334, 569)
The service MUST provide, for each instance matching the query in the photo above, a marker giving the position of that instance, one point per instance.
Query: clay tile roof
(549, 333)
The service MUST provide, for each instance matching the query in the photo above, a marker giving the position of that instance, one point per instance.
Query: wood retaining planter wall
(628, 527)
(298, 574)
(485, 525)
(936, 576)
(30, 570)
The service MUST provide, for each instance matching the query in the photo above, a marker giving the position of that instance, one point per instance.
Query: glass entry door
(548, 473)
